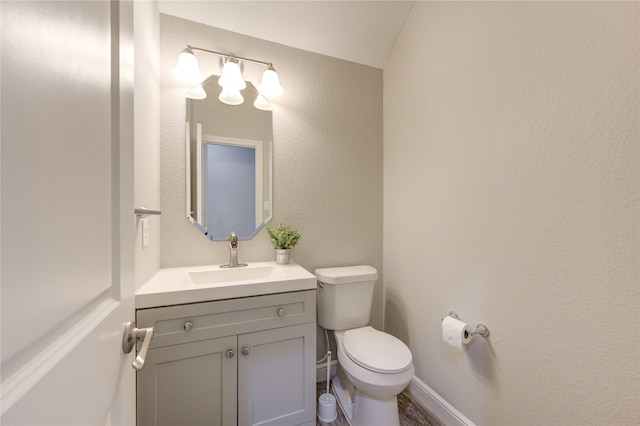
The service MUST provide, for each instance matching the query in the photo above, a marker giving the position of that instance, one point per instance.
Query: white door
(67, 223)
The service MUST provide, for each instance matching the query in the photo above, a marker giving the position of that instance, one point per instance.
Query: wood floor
(411, 413)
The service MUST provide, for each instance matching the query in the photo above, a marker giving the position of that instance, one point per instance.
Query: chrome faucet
(233, 252)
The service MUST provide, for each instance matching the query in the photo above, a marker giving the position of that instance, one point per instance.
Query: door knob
(131, 335)
(245, 351)
(230, 353)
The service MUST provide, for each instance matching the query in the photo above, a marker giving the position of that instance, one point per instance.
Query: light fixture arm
(229, 55)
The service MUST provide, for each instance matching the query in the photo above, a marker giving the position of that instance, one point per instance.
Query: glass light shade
(231, 97)
(231, 78)
(262, 103)
(197, 93)
(187, 68)
(270, 84)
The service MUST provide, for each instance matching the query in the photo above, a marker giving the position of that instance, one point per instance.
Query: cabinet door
(276, 376)
(189, 384)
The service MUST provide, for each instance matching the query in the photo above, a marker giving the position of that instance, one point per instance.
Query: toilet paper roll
(455, 332)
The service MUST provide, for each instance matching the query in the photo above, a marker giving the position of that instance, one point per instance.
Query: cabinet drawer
(227, 317)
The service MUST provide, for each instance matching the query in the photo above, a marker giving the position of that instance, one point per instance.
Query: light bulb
(270, 85)
(187, 68)
(231, 77)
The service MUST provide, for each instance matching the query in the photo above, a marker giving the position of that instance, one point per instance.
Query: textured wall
(327, 154)
(511, 195)
(147, 133)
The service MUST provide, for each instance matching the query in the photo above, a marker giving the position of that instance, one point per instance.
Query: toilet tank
(345, 296)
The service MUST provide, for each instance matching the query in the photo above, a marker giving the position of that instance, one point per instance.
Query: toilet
(373, 366)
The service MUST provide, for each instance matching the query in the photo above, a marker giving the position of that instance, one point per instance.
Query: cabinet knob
(245, 351)
(188, 325)
(231, 353)
(281, 312)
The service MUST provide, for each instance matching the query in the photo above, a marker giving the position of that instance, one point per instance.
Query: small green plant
(284, 237)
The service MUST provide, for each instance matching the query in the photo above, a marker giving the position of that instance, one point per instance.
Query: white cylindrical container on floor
(327, 409)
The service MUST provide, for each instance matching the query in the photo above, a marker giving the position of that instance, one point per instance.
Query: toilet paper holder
(480, 330)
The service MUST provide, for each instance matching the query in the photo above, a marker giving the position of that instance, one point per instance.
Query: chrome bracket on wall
(142, 212)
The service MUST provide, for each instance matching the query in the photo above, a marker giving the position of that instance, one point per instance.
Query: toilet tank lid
(347, 274)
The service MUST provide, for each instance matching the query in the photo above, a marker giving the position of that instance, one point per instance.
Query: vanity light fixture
(231, 76)
(187, 68)
(270, 84)
(231, 80)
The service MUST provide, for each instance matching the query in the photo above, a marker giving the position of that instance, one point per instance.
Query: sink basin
(230, 275)
(193, 284)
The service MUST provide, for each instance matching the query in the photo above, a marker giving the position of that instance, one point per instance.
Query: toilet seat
(376, 350)
(379, 385)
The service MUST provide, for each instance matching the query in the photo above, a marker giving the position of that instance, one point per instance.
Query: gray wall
(327, 154)
(516, 125)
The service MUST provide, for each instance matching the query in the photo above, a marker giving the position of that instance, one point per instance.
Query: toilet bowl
(373, 366)
(382, 371)
(369, 387)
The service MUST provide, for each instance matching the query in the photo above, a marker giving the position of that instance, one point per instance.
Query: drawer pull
(188, 326)
(230, 353)
(281, 312)
(245, 351)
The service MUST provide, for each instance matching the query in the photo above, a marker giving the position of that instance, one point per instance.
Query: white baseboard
(436, 404)
(321, 370)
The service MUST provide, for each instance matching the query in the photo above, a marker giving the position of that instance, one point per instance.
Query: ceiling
(357, 31)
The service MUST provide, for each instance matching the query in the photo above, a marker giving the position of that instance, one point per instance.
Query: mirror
(228, 152)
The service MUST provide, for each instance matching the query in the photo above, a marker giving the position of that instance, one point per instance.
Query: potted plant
(283, 239)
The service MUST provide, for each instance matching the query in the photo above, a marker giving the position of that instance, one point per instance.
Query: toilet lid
(376, 350)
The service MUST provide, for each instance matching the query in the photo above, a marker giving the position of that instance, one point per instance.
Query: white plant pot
(282, 256)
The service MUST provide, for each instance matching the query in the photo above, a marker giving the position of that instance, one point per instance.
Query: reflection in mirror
(229, 184)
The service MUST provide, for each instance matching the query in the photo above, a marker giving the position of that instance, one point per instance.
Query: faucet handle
(233, 252)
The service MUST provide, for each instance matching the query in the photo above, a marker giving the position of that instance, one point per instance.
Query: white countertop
(192, 284)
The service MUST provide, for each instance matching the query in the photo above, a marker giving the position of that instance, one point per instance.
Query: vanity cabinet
(240, 361)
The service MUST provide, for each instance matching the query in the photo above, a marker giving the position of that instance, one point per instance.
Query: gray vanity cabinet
(188, 384)
(240, 361)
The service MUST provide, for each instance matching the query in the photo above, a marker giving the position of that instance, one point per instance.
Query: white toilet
(373, 366)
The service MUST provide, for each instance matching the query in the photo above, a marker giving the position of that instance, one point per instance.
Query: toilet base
(366, 410)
